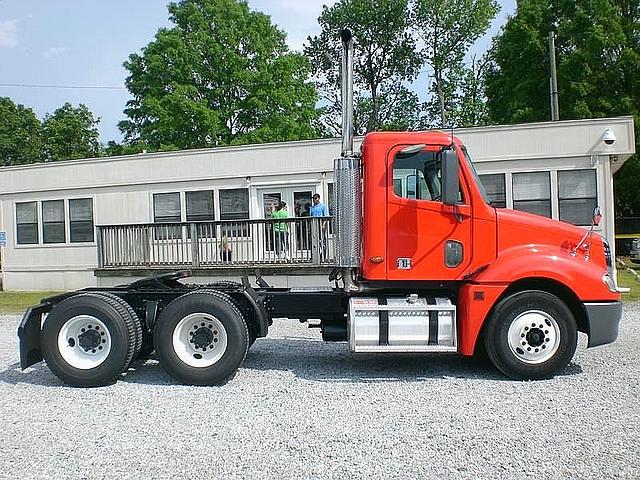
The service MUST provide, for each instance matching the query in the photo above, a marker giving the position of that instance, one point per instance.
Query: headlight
(610, 283)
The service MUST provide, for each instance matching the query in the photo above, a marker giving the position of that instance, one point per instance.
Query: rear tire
(201, 338)
(134, 317)
(531, 335)
(88, 340)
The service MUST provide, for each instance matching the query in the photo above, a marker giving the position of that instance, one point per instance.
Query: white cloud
(9, 33)
(53, 51)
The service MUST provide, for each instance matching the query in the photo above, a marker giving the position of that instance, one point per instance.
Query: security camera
(608, 137)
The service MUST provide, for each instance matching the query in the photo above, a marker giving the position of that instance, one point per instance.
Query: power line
(67, 87)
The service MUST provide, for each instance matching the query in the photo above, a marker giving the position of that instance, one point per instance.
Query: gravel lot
(300, 408)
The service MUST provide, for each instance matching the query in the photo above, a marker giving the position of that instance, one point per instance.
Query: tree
(447, 30)
(598, 59)
(398, 108)
(20, 140)
(470, 107)
(113, 148)
(222, 75)
(70, 132)
(384, 57)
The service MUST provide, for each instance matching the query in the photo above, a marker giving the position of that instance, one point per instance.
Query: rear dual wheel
(201, 338)
(90, 339)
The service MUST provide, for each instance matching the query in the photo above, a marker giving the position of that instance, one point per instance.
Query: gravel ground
(300, 408)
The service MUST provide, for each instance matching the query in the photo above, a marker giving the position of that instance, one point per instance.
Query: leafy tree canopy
(20, 140)
(70, 132)
(222, 75)
(598, 59)
(385, 56)
(447, 30)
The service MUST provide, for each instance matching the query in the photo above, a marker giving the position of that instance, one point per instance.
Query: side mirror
(450, 181)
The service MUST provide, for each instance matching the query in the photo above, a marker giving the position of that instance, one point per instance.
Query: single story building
(104, 221)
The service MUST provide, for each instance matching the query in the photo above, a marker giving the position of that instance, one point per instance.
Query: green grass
(628, 279)
(17, 302)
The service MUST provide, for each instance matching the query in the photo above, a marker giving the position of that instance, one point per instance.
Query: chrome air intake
(348, 211)
(346, 173)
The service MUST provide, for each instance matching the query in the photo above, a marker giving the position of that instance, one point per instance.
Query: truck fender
(582, 277)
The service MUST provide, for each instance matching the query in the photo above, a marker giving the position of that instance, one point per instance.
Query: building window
(199, 206)
(200, 209)
(532, 192)
(53, 222)
(27, 223)
(166, 209)
(330, 199)
(577, 196)
(494, 186)
(234, 205)
(81, 220)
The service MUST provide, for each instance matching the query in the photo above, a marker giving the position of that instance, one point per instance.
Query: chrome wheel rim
(534, 336)
(84, 342)
(199, 340)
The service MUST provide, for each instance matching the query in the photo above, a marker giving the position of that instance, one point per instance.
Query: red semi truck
(424, 263)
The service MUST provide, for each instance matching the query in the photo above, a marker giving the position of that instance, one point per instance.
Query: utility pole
(553, 80)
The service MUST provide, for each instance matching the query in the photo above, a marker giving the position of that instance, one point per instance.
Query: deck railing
(229, 243)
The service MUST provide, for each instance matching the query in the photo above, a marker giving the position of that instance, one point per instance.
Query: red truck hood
(521, 228)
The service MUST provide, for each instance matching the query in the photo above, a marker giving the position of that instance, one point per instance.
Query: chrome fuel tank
(402, 324)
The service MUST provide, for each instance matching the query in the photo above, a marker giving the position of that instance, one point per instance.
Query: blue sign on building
(3, 239)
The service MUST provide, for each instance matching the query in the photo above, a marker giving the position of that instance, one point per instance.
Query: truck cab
(427, 222)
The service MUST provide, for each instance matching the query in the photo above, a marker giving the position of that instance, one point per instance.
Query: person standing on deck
(319, 209)
(280, 229)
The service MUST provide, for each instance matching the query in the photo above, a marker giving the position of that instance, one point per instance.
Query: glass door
(302, 208)
(298, 234)
(270, 201)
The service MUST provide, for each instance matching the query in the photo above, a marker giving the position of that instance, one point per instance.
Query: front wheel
(531, 335)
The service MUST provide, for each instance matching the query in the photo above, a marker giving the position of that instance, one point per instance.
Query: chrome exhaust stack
(347, 186)
(347, 92)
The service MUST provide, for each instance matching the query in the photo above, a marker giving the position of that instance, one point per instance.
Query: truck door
(426, 240)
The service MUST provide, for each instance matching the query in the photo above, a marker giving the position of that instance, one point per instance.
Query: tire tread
(129, 324)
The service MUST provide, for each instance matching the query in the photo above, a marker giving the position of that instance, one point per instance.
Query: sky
(78, 43)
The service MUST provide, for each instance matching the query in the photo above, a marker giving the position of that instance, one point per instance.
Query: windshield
(476, 176)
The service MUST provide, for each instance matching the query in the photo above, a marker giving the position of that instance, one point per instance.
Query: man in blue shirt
(320, 210)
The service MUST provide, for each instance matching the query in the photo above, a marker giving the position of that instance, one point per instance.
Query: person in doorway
(319, 209)
(280, 229)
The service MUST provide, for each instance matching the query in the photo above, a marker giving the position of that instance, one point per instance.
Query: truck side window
(417, 176)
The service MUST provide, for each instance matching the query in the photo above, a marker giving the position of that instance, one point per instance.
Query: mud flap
(29, 335)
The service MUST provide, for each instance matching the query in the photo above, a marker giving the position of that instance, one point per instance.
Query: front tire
(531, 335)
(201, 338)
